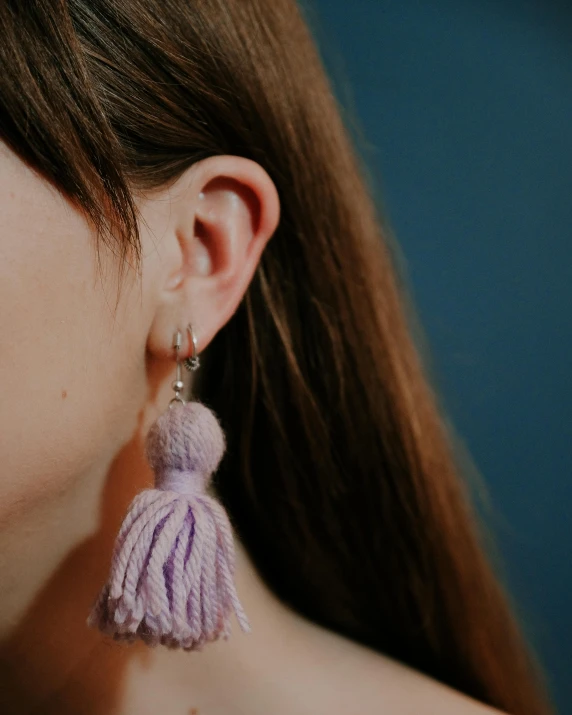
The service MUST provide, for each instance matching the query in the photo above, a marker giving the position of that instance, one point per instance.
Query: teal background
(466, 107)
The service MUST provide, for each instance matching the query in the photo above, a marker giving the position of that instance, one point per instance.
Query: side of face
(76, 372)
(71, 368)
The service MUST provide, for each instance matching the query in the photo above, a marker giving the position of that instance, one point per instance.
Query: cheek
(71, 365)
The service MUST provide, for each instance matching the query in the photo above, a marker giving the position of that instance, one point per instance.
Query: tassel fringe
(172, 574)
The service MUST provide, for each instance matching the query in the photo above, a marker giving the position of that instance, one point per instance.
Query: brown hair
(341, 476)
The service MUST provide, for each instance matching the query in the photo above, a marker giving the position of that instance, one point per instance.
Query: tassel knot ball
(184, 447)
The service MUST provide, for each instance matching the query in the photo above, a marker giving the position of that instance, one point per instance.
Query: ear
(214, 223)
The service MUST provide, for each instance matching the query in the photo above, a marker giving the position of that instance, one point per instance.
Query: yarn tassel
(172, 571)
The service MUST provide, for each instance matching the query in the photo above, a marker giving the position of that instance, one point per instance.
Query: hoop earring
(192, 362)
(172, 570)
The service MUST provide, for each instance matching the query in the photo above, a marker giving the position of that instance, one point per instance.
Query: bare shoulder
(409, 691)
(362, 680)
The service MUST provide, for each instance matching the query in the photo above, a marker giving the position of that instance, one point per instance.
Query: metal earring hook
(177, 384)
(191, 363)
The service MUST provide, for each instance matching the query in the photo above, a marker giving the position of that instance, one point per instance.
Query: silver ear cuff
(192, 362)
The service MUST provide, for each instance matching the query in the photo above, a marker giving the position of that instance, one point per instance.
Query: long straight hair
(341, 476)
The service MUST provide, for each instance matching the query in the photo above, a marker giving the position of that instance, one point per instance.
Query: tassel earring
(172, 570)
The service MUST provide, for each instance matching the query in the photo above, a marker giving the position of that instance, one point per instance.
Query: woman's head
(200, 143)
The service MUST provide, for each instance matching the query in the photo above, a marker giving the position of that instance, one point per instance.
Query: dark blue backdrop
(467, 110)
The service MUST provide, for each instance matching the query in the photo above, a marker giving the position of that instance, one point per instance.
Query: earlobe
(223, 212)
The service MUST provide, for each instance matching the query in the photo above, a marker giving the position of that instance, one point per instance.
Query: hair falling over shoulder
(340, 475)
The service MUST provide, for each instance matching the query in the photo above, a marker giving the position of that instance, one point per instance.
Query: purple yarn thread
(172, 570)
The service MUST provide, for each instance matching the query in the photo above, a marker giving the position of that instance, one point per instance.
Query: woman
(198, 148)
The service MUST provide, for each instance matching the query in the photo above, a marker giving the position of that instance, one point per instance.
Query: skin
(81, 383)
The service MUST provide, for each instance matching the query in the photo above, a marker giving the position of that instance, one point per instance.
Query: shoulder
(362, 680)
(407, 690)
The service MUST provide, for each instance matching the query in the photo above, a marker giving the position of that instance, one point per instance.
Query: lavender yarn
(172, 572)
(186, 440)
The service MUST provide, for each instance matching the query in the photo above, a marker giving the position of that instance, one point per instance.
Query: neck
(54, 558)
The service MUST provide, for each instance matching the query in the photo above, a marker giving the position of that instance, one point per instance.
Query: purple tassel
(172, 571)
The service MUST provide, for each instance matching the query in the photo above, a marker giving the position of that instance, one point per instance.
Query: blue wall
(466, 106)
